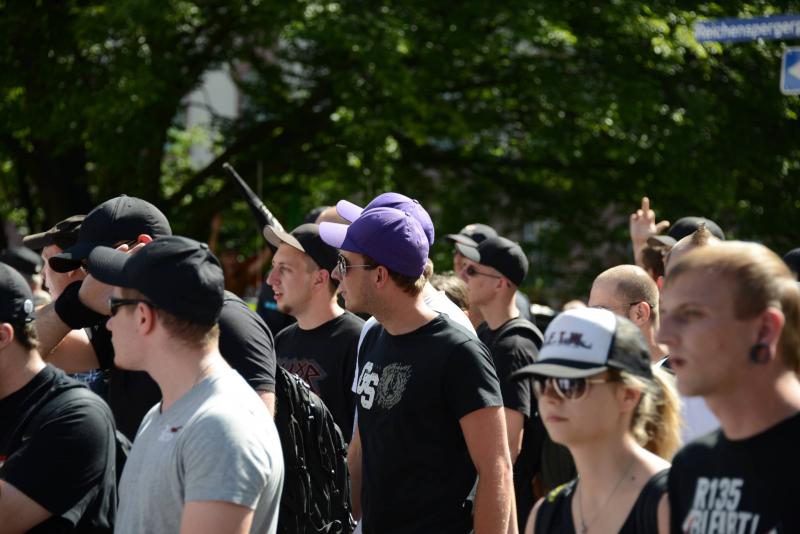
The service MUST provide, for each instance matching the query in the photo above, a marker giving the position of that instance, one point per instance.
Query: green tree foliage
(552, 116)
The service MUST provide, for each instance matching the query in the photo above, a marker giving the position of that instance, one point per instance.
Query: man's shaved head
(630, 283)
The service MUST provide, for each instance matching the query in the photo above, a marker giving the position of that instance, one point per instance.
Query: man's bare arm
(50, 329)
(215, 517)
(18, 512)
(354, 466)
(268, 397)
(514, 426)
(486, 438)
(74, 354)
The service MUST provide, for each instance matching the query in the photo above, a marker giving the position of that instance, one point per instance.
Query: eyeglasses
(342, 266)
(114, 304)
(566, 388)
(630, 305)
(472, 271)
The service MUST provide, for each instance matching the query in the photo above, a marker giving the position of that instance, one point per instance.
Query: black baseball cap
(22, 259)
(792, 260)
(683, 227)
(499, 253)
(177, 274)
(305, 238)
(16, 297)
(64, 234)
(586, 341)
(472, 234)
(122, 218)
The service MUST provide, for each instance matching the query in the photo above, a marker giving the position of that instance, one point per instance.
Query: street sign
(790, 71)
(731, 30)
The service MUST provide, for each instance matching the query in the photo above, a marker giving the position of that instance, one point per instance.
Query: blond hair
(656, 422)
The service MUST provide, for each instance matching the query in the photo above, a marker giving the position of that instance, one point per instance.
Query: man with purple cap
(422, 377)
(434, 299)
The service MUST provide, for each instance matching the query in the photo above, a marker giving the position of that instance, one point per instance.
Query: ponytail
(656, 423)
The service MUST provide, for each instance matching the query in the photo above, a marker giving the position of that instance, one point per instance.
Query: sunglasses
(566, 388)
(114, 304)
(342, 266)
(472, 271)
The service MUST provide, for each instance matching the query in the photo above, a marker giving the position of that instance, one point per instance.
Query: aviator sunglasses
(566, 388)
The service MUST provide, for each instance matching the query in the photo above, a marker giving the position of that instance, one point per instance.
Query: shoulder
(286, 333)
(352, 321)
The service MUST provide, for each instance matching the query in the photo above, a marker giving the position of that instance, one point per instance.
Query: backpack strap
(645, 510)
(519, 323)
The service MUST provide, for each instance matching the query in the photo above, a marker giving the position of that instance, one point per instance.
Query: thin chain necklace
(584, 524)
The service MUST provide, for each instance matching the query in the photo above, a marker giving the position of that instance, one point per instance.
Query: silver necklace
(584, 524)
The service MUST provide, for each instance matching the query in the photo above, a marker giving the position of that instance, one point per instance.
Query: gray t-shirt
(217, 442)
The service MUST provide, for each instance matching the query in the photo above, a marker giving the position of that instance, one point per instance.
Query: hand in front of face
(642, 224)
(94, 293)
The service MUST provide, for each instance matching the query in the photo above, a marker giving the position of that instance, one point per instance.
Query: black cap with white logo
(16, 298)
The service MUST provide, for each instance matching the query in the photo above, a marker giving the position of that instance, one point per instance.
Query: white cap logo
(27, 306)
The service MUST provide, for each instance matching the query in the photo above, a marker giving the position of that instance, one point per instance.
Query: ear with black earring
(760, 353)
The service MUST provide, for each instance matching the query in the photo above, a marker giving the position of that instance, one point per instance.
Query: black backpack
(316, 486)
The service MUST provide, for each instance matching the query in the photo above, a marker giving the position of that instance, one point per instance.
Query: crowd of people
(137, 395)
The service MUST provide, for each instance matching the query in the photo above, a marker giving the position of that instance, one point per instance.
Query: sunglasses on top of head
(566, 388)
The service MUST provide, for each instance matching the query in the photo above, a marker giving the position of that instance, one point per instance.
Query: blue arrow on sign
(790, 71)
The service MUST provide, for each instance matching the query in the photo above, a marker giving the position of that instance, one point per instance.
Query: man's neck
(177, 370)
(18, 369)
(499, 311)
(403, 314)
(657, 352)
(757, 407)
(319, 313)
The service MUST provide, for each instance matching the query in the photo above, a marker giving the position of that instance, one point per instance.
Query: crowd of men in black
(668, 402)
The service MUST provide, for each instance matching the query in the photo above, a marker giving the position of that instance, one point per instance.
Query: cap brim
(558, 369)
(38, 241)
(469, 252)
(659, 241)
(276, 237)
(70, 259)
(461, 238)
(348, 211)
(108, 266)
(333, 233)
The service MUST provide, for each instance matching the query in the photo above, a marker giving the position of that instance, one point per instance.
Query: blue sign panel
(790, 71)
(730, 30)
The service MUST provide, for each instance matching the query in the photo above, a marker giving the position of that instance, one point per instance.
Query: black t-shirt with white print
(325, 357)
(744, 486)
(412, 391)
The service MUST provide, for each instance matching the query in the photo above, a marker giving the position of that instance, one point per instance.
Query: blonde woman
(619, 417)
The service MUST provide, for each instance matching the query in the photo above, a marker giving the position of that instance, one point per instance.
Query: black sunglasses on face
(566, 388)
(472, 271)
(114, 304)
(342, 266)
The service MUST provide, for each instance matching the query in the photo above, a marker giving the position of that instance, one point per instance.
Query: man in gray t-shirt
(207, 458)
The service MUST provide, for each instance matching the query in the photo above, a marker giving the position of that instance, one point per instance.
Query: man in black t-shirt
(493, 271)
(429, 403)
(321, 346)
(245, 341)
(731, 320)
(57, 455)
